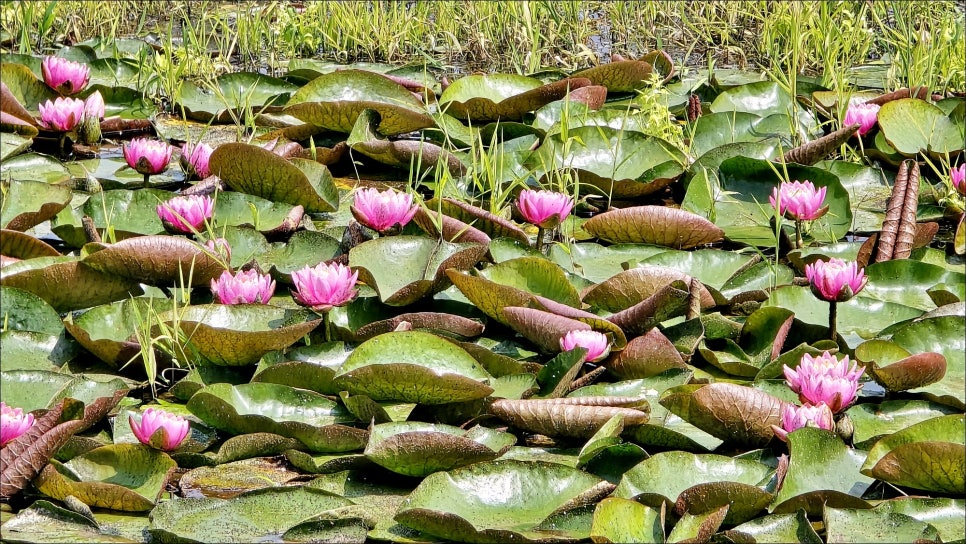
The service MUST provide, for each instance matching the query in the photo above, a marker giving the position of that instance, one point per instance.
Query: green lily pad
(27, 350)
(33, 389)
(578, 417)
(945, 335)
(657, 225)
(849, 525)
(764, 98)
(128, 477)
(632, 286)
(67, 283)
(929, 455)
(874, 421)
(243, 210)
(44, 521)
(597, 262)
(261, 514)
(776, 528)
(483, 97)
(27, 203)
(623, 164)
(911, 125)
(821, 469)
(907, 282)
(107, 330)
(238, 335)
(728, 127)
(26, 87)
(236, 92)
(231, 479)
(420, 155)
(334, 101)
(257, 171)
(760, 342)
(126, 213)
(413, 366)
(665, 477)
(498, 501)
(948, 516)
(286, 411)
(24, 311)
(304, 248)
(419, 449)
(623, 520)
(404, 269)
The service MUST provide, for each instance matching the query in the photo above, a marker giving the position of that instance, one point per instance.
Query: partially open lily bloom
(186, 214)
(324, 286)
(835, 280)
(62, 114)
(383, 210)
(65, 76)
(796, 417)
(94, 106)
(174, 428)
(220, 247)
(147, 156)
(800, 200)
(825, 379)
(958, 177)
(545, 209)
(594, 342)
(195, 157)
(245, 287)
(13, 423)
(863, 114)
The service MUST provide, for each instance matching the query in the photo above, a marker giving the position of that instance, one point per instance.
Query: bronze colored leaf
(907, 222)
(645, 356)
(574, 417)
(491, 224)
(488, 296)
(595, 321)
(910, 373)
(745, 500)
(671, 301)
(922, 93)
(69, 284)
(660, 225)
(544, 329)
(619, 77)
(631, 287)
(20, 245)
(890, 225)
(810, 153)
(735, 413)
(593, 96)
(440, 322)
(454, 230)
(155, 260)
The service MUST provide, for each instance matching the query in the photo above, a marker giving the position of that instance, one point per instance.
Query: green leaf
(849, 525)
(27, 203)
(24, 311)
(929, 455)
(419, 449)
(776, 528)
(911, 125)
(44, 522)
(624, 520)
(875, 421)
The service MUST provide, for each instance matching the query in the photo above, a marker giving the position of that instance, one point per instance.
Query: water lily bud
(173, 428)
(545, 209)
(65, 76)
(958, 177)
(220, 247)
(382, 211)
(835, 280)
(863, 114)
(147, 156)
(324, 286)
(195, 157)
(245, 287)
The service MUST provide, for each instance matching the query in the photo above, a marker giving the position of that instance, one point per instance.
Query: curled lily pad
(20, 245)
(108, 330)
(27, 203)
(670, 301)
(413, 366)
(622, 520)
(419, 449)
(911, 125)
(127, 477)
(948, 516)
(623, 164)
(67, 283)
(728, 411)
(286, 411)
(233, 478)
(760, 342)
(421, 155)
(128, 213)
(777, 528)
(622, 76)
(658, 225)
(646, 356)
(630, 287)
(404, 269)
(334, 102)
(489, 223)
(545, 329)
(500, 501)
(261, 514)
(257, 171)
(444, 323)
(241, 334)
(704, 481)
(941, 334)
(576, 417)
(908, 372)
(875, 421)
(155, 260)
(236, 92)
(479, 97)
(821, 469)
(929, 455)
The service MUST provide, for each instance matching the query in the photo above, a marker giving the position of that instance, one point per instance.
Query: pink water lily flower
(65, 76)
(324, 286)
(245, 287)
(835, 280)
(63, 114)
(958, 177)
(195, 157)
(825, 379)
(594, 342)
(800, 200)
(383, 210)
(186, 214)
(863, 114)
(545, 209)
(147, 156)
(13, 423)
(174, 428)
(796, 417)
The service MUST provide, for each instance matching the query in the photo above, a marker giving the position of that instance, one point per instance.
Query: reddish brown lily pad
(630, 287)
(646, 356)
(576, 417)
(155, 260)
(660, 225)
(619, 77)
(731, 412)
